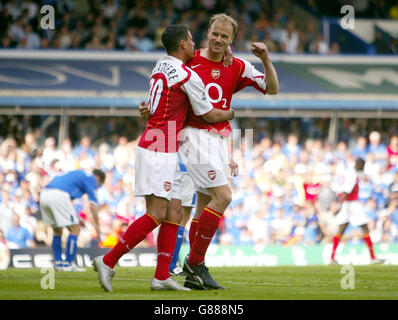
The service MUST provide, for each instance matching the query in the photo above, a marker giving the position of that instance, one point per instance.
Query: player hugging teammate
(192, 89)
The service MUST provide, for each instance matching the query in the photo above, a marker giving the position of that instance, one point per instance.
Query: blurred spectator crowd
(285, 193)
(376, 9)
(137, 25)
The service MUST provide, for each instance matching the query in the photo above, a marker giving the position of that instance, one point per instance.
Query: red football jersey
(350, 185)
(173, 88)
(220, 84)
(353, 195)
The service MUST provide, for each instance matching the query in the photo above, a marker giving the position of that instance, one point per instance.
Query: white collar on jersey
(172, 58)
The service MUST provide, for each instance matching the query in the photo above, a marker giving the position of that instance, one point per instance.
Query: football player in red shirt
(204, 149)
(204, 146)
(350, 210)
(173, 88)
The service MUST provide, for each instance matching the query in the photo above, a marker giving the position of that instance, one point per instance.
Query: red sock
(336, 241)
(192, 232)
(167, 239)
(134, 234)
(369, 243)
(207, 227)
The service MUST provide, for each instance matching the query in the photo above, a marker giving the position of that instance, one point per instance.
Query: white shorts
(184, 189)
(155, 173)
(57, 209)
(352, 212)
(205, 155)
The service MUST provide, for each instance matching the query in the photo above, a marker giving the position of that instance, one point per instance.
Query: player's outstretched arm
(260, 50)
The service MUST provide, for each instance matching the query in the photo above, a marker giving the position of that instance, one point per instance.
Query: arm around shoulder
(217, 115)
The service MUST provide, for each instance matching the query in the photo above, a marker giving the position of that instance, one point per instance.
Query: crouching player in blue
(58, 212)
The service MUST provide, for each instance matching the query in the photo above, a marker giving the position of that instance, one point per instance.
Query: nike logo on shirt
(196, 65)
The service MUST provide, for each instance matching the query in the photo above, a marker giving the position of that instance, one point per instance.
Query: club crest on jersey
(215, 73)
(211, 174)
(167, 186)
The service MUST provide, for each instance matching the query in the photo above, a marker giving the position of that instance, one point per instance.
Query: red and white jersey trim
(350, 185)
(220, 84)
(173, 90)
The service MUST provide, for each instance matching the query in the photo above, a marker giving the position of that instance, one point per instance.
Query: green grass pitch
(243, 283)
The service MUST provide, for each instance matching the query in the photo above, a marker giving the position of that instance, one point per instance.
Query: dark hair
(172, 36)
(360, 163)
(100, 174)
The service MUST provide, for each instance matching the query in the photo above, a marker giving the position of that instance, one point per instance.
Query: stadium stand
(269, 205)
(137, 25)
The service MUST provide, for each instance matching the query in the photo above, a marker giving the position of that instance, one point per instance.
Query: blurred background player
(173, 89)
(57, 211)
(187, 196)
(209, 170)
(350, 210)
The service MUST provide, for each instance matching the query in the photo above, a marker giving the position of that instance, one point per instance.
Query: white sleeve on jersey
(195, 90)
(253, 74)
(350, 180)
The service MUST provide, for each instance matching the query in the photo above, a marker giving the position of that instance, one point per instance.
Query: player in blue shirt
(57, 211)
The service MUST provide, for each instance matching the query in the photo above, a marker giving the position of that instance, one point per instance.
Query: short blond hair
(224, 18)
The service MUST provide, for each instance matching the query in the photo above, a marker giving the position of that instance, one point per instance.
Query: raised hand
(259, 49)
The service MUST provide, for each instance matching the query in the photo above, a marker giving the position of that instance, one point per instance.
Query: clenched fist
(260, 50)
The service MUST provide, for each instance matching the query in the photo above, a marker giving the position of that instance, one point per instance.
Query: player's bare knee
(174, 211)
(227, 196)
(226, 199)
(227, 202)
(159, 214)
(365, 229)
(222, 198)
(174, 215)
(74, 229)
(157, 207)
(58, 231)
